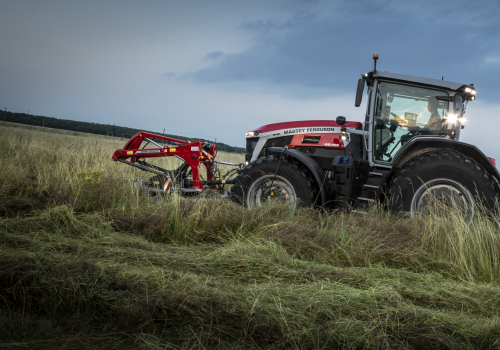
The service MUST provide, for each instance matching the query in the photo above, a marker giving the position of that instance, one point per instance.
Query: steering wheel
(394, 124)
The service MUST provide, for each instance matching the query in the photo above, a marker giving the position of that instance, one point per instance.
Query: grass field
(86, 261)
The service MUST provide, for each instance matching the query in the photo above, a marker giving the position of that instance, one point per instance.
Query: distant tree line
(95, 128)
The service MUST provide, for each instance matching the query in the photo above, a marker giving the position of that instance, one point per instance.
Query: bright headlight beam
(468, 89)
(253, 134)
(452, 118)
(462, 120)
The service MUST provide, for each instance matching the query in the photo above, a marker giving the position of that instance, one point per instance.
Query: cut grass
(93, 264)
(246, 293)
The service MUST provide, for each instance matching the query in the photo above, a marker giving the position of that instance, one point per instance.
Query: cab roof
(419, 80)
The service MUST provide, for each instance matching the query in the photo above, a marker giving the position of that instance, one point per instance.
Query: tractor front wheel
(271, 180)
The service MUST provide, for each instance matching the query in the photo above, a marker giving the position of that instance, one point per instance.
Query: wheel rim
(271, 188)
(441, 194)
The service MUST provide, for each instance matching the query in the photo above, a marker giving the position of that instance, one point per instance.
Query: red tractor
(405, 152)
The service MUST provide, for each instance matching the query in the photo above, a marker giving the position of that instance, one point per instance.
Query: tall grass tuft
(469, 248)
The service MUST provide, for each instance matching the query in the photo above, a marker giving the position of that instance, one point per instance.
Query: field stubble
(86, 261)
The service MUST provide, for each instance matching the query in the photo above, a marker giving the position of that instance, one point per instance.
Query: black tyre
(265, 180)
(446, 176)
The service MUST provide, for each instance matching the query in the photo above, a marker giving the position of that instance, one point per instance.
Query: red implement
(193, 153)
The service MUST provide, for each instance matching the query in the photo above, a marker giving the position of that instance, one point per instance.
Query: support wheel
(264, 181)
(443, 177)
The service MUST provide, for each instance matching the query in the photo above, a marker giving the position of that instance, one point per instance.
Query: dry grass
(95, 264)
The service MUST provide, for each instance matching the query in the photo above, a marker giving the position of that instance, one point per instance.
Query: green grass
(91, 263)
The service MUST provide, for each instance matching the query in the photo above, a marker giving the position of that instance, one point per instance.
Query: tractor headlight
(473, 92)
(452, 118)
(468, 89)
(253, 134)
(462, 120)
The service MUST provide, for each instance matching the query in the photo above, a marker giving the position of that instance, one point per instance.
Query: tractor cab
(403, 108)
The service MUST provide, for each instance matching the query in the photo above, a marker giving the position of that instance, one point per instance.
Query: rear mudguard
(422, 145)
(313, 167)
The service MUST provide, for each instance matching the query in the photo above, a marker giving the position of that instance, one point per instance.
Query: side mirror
(458, 105)
(359, 92)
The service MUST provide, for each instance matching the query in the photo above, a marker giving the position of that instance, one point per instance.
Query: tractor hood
(309, 125)
(324, 133)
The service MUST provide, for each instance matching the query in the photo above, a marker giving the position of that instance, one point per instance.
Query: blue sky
(216, 69)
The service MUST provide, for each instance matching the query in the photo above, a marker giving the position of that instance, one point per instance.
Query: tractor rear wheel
(446, 177)
(269, 179)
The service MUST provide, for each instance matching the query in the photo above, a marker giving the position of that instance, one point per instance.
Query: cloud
(322, 51)
(213, 56)
(491, 60)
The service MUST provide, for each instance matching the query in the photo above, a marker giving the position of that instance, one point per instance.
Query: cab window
(403, 112)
